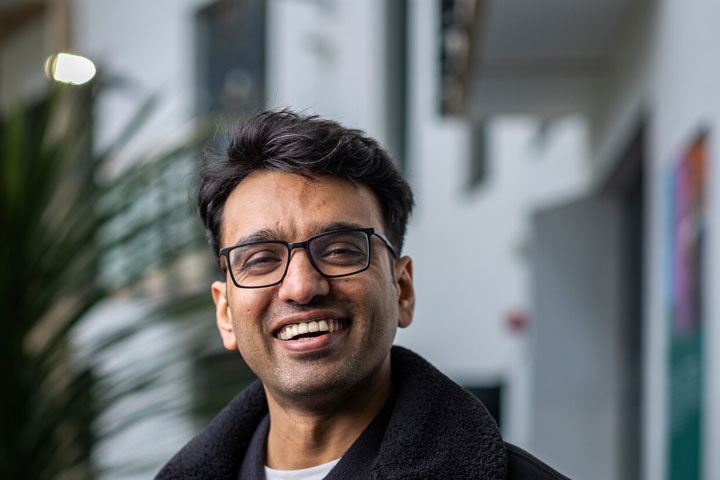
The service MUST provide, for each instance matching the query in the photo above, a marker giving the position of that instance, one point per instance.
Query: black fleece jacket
(436, 430)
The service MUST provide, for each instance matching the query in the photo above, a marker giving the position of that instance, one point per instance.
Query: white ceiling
(531, 29)
(542, 56)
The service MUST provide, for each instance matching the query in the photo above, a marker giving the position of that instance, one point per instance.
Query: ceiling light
(68, 68)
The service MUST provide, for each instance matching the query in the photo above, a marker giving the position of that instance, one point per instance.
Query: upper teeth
(292, 330)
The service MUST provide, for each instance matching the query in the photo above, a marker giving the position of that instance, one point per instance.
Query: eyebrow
(268, 234)
(329, 227)
(264, 235)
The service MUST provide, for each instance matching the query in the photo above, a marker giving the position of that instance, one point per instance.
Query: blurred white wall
(327, 57)
(667, 69)
(148, 48)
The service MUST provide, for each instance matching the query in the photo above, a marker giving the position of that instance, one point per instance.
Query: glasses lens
(340, 253)
(258, 264)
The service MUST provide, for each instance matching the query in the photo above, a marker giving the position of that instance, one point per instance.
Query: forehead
(295, 207)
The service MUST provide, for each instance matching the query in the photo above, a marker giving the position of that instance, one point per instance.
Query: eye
(341, 249)
(261, 261)
(257, 259)
(343, 253)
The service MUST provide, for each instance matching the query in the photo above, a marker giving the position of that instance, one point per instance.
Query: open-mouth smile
(311, 329)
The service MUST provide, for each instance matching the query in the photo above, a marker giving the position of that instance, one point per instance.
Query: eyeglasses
(334, 254)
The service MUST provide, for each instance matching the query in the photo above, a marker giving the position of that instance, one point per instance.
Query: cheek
(377, 297)
(358, 292)
(247, 307)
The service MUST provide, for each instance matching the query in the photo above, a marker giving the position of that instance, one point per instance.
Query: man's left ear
(405, 291)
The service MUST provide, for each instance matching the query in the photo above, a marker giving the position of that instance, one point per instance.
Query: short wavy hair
(284, 141)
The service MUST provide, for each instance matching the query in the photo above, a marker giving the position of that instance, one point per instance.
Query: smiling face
(363, 310)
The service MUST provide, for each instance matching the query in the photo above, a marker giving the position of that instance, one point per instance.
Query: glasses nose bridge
(293, 246)
(304, 246)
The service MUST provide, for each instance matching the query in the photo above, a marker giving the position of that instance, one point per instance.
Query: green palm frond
(63, 219)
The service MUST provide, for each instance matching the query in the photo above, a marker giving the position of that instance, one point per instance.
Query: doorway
(587, 294)
(627, 185)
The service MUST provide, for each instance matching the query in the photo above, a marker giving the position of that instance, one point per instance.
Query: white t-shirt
(317, 472)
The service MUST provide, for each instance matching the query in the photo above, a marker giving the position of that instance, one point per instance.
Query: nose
(302, 281)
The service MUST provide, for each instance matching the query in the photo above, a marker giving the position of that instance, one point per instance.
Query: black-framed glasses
(334, 254)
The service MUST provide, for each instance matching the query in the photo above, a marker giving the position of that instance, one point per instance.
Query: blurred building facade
(624, 341)
(544, 140)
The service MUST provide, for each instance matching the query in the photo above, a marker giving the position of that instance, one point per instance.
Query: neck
(302, 435)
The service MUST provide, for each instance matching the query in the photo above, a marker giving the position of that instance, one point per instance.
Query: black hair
(285, 141)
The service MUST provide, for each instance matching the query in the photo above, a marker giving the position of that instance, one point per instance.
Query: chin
(317, 389)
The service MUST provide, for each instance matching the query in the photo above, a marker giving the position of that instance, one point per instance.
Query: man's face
(369, 306)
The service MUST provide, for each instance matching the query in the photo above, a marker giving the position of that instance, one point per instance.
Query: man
(308, 220)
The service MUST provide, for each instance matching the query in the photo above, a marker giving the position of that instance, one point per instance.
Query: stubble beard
(317, 387)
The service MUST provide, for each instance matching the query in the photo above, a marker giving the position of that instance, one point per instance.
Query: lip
(313, 343)
(313, 315)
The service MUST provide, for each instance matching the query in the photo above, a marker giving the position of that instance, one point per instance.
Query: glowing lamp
(68, 68)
